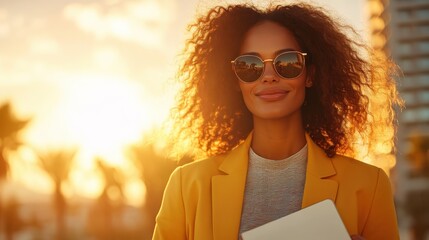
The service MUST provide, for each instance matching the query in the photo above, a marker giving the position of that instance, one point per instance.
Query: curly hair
(337, 107)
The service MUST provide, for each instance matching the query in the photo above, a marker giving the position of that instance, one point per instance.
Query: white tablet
(319, 221)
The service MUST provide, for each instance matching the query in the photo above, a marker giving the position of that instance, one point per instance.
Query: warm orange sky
(97, 75)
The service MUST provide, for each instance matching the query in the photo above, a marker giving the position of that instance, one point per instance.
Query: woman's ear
(310, 77)
(309, 83)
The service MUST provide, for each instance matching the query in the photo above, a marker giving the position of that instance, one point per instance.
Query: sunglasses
(249, 68)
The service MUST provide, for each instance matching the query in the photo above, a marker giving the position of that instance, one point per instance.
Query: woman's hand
(357, 237)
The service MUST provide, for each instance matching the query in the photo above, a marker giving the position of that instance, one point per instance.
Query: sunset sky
(98, 74)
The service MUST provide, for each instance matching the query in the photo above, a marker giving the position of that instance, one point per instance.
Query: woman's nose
(269, 75)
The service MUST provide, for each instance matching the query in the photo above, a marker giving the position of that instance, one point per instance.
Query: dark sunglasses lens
(289, 65)
(248, 68)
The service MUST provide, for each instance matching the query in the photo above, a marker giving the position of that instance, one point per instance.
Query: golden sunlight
(104, 114)
(83, 78)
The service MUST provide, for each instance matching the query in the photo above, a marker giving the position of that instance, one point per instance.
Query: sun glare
(104, 114)
(101, 116)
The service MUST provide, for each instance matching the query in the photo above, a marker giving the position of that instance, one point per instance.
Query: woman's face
(272, 96)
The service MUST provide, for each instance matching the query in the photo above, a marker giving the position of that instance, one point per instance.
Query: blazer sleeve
(381, 222)
(170, 221)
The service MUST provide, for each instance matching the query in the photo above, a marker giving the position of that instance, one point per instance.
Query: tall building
(400, 30)
(409, 46)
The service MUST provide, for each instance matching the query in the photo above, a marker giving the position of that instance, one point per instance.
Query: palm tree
(13, 221)
(104, 215)
(58, 164)
(154, 170)
(10, 126)
(113, 179)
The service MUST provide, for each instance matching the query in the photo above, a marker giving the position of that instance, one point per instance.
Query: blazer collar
(228, 192)
(318, 186)
(228, 188)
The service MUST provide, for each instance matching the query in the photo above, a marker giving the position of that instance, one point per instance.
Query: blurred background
(86, 85)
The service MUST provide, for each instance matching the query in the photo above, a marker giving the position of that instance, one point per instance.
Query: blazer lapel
(228, 188)
(319, 168)
(228, 192)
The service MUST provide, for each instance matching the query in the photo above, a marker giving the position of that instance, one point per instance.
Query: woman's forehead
(268, 37)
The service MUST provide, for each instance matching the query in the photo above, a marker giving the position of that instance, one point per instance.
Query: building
(400, 30)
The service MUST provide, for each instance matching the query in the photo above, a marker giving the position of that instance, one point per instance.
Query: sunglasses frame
(272, 60)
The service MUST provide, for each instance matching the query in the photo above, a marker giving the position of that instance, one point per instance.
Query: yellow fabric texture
(203, 200)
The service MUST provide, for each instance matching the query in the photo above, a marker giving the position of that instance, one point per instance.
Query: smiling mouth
(272, 95)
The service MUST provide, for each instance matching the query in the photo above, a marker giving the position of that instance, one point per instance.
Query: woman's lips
(272, 94)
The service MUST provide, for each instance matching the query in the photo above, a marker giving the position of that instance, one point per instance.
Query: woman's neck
(277, 139)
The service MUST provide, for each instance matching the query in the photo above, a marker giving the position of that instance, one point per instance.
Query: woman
(275, 124)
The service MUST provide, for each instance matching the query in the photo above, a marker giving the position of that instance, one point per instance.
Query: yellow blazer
(203, 200)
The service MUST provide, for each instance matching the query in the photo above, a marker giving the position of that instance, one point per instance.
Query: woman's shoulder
(348, 162)
(349, 168)
(201, 168)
